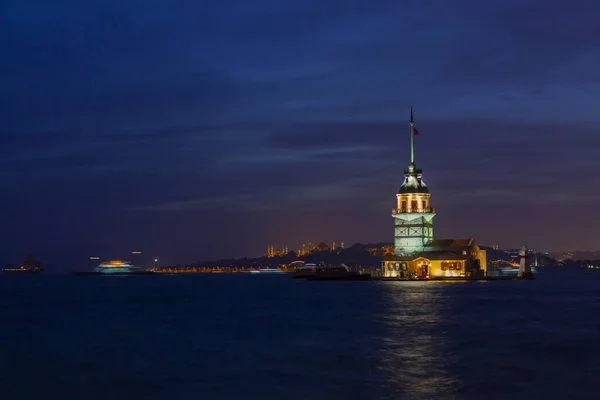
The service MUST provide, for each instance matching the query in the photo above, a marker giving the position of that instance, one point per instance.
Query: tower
(413, 215)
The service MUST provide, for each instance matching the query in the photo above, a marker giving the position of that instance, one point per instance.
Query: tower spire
(412, 138)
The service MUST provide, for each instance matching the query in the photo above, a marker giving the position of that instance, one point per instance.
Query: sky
(195, 130)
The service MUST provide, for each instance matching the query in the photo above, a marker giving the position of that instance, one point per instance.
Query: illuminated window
(403, 205)
(424, 203)
(414, 204)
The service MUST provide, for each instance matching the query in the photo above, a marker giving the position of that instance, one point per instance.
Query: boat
(511, 269)
(338, 273)
(505, 268)
(115, 268)
(30, 266)
(267, 271)
(303, 271)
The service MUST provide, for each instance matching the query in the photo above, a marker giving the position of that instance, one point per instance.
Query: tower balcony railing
(413, 210)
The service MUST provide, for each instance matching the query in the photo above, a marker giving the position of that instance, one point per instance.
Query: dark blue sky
(195, 129)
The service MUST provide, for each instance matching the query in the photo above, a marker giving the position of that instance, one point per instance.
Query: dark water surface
(271, 337)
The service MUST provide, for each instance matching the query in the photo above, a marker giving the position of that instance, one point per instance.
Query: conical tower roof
(413, 181)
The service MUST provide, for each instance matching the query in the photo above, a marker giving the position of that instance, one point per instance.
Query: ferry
(267, 271)
(512, 269)
(304, 271)
(115, 268)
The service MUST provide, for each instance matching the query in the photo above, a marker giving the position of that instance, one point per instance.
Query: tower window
(403, 206)
(414, 204)
(424, 203)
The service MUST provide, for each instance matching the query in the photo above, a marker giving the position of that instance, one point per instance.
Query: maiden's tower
(416, 252)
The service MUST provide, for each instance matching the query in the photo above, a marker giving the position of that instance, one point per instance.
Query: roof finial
(412, 138)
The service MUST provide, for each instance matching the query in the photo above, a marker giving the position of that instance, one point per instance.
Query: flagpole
(412, 137)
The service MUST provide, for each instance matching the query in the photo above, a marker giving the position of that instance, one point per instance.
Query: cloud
(215, 112)
(518, 43)
(299, 20)
(300, 156)
(278, 197)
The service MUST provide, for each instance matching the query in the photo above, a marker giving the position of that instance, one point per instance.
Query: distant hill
(577, 255)
(513, 255)
(364, 255)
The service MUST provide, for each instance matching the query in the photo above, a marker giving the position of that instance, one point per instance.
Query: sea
(241, 336)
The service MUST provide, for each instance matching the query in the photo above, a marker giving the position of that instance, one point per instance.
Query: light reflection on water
(492, 340)
(413, 347)
(231, 337)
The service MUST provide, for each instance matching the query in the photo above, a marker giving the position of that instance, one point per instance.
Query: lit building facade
(439, 258)
(274, 252)
(416, 252)
(304, 250)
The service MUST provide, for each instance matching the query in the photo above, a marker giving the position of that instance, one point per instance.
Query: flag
(415, 131)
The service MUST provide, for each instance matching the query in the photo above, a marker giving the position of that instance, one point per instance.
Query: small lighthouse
(524, 268)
